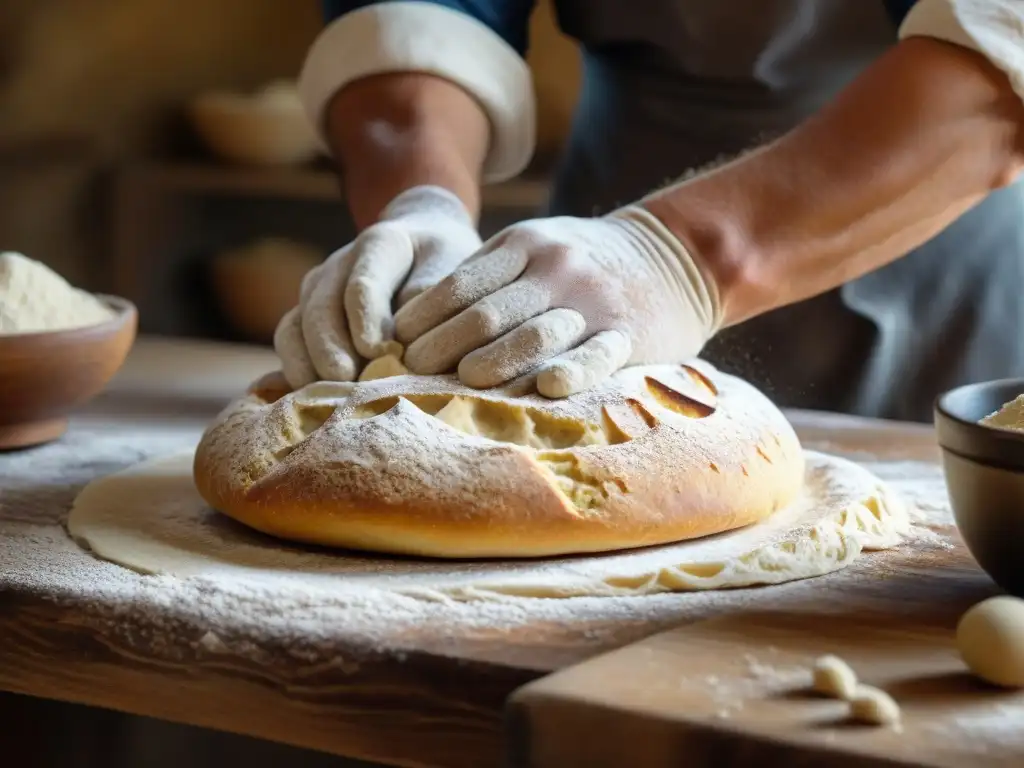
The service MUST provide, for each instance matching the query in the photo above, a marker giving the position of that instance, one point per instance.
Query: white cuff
(993, 28)
(425, 37)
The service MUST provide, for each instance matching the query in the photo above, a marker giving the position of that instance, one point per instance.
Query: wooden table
(433, 697)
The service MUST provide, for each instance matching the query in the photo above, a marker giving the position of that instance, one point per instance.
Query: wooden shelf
(303, 184)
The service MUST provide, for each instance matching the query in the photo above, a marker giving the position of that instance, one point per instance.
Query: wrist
(719, 242)
(393, 133)
(804, 214)
(675, 264)
(428, 201)
(382, 174)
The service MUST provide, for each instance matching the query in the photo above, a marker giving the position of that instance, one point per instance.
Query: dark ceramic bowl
(984, 469)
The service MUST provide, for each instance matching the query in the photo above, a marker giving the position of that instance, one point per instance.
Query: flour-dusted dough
(425, 466)
(990, 637)
(383, 367)
(874, 706)
(833, 677)
(151, 518)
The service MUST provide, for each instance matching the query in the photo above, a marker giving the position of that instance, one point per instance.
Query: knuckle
(560, 252)
(359, 286)
(388, 234)
(379, 229)
(559, 258)
(537, 337)
(459, 284)
(484, 319)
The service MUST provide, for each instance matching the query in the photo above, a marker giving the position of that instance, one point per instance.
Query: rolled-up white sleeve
(430, 38)
(993, 28)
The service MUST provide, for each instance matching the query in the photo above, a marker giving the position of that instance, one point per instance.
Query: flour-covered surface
(151, 518)
(185, 619)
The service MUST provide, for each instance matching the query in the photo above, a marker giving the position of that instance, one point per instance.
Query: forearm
(922, 136)
(391, 132)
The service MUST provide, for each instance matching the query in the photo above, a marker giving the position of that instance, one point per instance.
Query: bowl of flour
(980, 429)
(59, 346)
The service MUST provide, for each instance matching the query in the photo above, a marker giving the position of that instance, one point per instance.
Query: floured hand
(344, 316)
(572, 299)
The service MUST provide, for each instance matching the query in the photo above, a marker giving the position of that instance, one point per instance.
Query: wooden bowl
(984, 468)
(256, 284)
(45, 376)
(266, 129)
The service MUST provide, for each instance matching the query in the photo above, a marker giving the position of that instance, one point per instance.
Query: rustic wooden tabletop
(429, 691)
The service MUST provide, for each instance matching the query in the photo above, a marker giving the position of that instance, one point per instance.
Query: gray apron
(684, 83)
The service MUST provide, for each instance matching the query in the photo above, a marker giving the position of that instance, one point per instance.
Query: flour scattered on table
(755, 679)
(152, 519)
(267, 622)
(212, 643)
(984, 727)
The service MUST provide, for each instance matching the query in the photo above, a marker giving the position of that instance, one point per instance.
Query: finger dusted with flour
(290, 346)
(345, 314)
(534, 341)
(585, 366)
(504, 312)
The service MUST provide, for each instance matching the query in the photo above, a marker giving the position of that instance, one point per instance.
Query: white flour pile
(34, 298)
(1010, 416)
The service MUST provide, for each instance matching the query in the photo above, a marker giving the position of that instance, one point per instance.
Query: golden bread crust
(425, 466)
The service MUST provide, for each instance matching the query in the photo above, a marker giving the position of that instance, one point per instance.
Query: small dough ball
(833, 677)
(990, 637)
(393, 348)
(384, 367)
(874, 707)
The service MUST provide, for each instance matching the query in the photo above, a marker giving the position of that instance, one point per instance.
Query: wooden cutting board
(735, 691)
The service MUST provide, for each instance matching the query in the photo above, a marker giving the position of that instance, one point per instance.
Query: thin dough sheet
(151, 519)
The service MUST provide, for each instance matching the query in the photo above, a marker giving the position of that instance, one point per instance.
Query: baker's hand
(344, 316)
(571, 299)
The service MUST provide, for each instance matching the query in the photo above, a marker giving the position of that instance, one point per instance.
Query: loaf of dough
(425, 466)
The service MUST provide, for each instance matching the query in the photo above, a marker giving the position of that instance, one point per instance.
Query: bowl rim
(969, 439)
(942, 406)
(125, 311)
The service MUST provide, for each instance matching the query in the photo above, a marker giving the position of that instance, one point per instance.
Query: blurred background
(156, 149)
(152, 149)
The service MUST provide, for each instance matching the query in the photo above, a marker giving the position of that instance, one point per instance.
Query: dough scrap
(833, 677)
(874, 706)
(383, 367)
(990, 638)
(150, 518)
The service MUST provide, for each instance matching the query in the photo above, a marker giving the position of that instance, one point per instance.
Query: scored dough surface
(425, 466)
